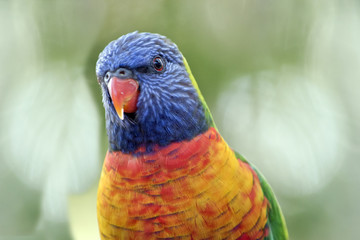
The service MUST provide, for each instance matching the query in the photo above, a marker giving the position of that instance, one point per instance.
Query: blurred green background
(281, 78)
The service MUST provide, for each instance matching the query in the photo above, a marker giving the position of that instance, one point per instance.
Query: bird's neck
(175, 124)
(201, 150)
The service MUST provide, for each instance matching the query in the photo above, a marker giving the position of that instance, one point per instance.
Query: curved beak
(124, 95)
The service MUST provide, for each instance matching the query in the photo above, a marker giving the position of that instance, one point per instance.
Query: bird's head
(149, 94)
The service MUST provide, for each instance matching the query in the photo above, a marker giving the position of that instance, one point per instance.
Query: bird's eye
(158, 63)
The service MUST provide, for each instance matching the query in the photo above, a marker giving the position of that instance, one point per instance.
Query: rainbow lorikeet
(168, 173)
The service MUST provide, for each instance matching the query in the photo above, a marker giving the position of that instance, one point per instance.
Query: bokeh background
(281, 78)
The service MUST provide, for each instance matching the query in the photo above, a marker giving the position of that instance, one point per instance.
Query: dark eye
(158, 64)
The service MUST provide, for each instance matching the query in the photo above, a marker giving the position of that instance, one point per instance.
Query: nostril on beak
(124, 73)
(121, 73)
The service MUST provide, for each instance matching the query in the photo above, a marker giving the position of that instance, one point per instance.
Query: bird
(168, 173)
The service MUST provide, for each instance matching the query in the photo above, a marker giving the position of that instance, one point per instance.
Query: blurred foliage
(53, 138)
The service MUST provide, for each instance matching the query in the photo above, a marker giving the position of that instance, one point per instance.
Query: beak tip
(121, 114)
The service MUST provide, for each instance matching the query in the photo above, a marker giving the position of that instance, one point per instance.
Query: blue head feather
(168, 108)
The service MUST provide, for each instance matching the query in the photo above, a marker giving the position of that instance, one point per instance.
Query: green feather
(276, 222)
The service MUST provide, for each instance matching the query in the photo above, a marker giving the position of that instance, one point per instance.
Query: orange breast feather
(187, 190)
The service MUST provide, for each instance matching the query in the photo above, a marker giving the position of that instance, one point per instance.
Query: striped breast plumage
(193, 189)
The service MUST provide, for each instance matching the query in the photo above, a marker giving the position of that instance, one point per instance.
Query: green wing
(276, 222)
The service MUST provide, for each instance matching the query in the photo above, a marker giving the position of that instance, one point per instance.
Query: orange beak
(124, 94)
